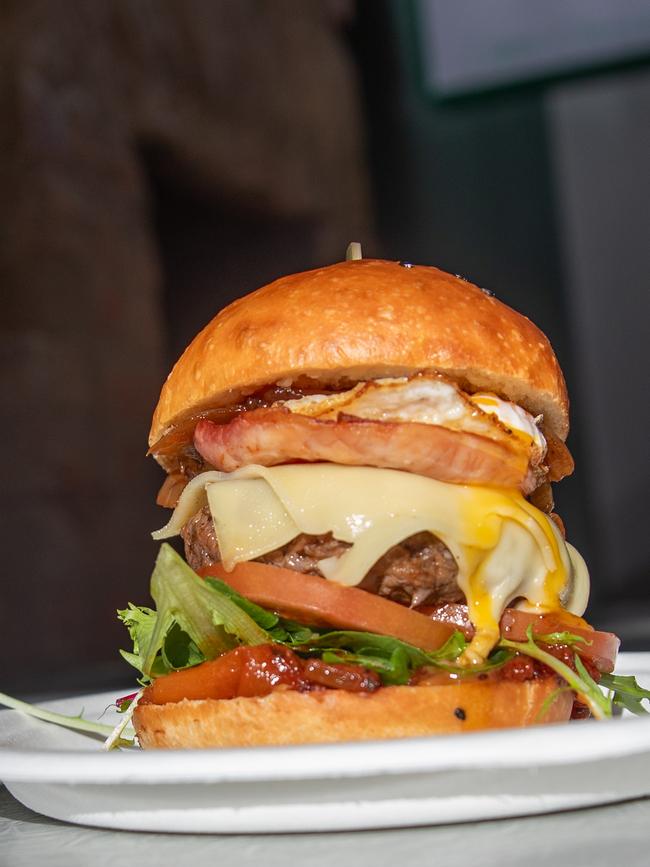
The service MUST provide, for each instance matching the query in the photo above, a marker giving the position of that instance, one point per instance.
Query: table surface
(617, 834)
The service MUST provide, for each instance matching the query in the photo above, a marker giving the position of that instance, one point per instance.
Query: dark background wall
(160, 159)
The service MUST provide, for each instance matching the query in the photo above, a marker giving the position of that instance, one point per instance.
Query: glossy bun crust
(290, 717)
(362, 320)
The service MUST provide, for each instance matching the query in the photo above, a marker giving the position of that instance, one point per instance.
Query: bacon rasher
(277, 436)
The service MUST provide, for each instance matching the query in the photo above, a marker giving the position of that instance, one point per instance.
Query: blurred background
(159, 158)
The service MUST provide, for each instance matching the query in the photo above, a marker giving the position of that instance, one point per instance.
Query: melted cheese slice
(506, 549)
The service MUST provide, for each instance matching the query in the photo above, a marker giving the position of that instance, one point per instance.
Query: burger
(359, 463)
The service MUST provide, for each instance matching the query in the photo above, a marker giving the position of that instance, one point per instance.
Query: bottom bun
(290, 717)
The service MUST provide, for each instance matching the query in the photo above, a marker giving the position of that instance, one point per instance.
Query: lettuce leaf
(626, 692)
(367, 644)
(193, 621)
(265, 619)
(393, 671)
(292, 634)
(392, 659)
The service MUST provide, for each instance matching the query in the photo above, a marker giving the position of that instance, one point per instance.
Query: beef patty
(419, 570)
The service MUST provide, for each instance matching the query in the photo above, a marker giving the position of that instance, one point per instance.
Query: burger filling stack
(359, 466)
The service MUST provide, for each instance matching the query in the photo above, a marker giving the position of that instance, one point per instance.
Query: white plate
(418, 781)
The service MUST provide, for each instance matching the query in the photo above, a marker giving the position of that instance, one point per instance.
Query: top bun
(359, 320)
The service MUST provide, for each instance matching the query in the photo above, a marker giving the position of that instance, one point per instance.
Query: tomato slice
(316, 601)
(600, 647)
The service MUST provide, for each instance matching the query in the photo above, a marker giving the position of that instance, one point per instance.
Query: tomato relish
(257, 671)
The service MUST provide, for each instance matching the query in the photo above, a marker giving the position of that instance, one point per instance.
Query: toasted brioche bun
(361, 320)
(290, 717)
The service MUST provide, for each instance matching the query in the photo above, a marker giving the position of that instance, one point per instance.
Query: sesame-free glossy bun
(360, 320)
(290, 717)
